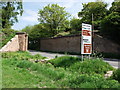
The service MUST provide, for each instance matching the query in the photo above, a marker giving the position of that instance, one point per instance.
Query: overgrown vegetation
(74, 64)
(62, 72)
(7, 35)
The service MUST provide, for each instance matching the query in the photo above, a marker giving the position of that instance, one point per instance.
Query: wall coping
(74, 35)
(60, 37)
(20, 33)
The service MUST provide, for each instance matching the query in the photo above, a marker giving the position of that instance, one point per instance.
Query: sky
(31, 8)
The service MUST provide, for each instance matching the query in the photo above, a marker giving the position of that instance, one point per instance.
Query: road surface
(113, 62)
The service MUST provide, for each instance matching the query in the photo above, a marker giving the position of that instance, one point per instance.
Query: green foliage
(116, 75)
(39, 31)
(7, 35)
(53, 20)
(54, 16)
(74, 64)
(92, 81)
(35, 33)
(64, 61)
(99, 11)
(27, 29)
(92, 66)
(23, 73)
(110, 26)
(21, 55)
(10, 10)
(24, 64)
(115, 6)
(76, 25)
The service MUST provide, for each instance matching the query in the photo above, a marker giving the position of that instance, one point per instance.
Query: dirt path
(114, 62)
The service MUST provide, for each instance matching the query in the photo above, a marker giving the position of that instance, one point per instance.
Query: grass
(62, 72)
(74, 64)
(14, 77)
(22, 55)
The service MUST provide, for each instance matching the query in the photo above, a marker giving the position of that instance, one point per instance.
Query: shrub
(64, 61)
(91, 66)
(91, 81)
(74, 64)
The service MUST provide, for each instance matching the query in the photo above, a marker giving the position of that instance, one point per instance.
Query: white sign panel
(86, 39)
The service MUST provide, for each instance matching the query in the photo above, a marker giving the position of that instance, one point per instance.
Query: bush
(74, 64)
(91, 81)
(91, 66)
(64, 61)
(116, 75)
(110, 26)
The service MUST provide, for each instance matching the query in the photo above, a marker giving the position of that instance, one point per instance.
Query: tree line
(55, 21)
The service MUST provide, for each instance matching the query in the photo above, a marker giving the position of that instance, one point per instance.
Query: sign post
(86, 39)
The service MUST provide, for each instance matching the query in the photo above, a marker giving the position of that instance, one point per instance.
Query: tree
(35, 33)
(39, 31)
(98, 9)
(27, 29)
(10, 11)
(53, 16)
(75, 24)
(115, 6)
(110, 25)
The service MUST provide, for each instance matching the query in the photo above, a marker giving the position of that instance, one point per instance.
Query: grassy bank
(63, 72)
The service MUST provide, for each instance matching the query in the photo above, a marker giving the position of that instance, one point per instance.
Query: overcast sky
(31, 8)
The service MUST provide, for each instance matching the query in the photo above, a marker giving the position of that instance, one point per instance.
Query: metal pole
(92, 33)
(89, 56)
(82, 57)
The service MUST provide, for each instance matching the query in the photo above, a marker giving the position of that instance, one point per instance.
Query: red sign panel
(86, 32)
(87, 48)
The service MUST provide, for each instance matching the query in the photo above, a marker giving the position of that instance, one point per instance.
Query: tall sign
(86, 39)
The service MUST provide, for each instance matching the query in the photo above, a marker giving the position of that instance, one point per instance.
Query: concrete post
(23, 41)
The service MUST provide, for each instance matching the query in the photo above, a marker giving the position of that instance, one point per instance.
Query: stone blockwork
(23, 41)
(73, 44)
(105, 45)
(17, 43)
(63, 44)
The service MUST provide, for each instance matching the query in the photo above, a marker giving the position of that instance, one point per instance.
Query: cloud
(30, 16)
(69, 4)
